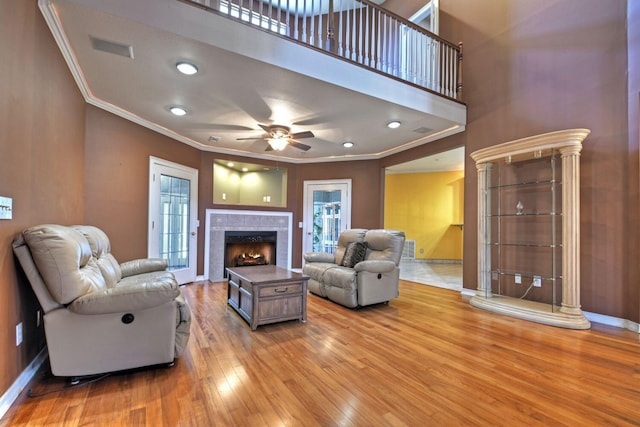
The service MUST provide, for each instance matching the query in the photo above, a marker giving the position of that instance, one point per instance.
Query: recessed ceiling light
(187, 68)
(177, 110)
(347, 144)
(230, 164)
(393, 125)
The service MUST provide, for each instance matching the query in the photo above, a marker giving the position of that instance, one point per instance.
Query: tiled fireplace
(234, 222)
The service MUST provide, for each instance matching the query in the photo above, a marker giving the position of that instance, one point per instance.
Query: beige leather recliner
(372, 280)
(99, 315)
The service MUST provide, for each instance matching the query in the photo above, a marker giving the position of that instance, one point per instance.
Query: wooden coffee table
(267, 294)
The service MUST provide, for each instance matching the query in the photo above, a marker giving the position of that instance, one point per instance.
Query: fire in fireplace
(246, 248)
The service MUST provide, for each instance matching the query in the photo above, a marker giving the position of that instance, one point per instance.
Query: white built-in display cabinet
(529, 228)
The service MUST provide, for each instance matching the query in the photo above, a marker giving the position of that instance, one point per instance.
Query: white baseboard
(468, 292)
(21, 382)
(612, 321)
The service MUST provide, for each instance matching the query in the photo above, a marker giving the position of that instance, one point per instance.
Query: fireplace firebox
(247, 248)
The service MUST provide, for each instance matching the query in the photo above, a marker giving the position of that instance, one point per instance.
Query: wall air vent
(409, 249)
(112, 47)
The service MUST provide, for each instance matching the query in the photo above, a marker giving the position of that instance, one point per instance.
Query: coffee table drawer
(280, 290)
(280, 309)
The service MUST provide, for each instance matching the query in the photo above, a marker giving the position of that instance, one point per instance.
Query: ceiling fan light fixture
(177, 110)
(347, 144)
(278, 144)
(394, 124)
(187, 68)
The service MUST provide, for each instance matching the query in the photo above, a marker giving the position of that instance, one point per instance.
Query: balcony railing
(358, 31)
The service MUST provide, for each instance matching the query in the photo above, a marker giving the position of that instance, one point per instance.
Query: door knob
(193, 233)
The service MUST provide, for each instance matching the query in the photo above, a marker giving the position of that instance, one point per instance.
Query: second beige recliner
(372, 280)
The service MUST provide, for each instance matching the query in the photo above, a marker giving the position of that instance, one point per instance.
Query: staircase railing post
(459, 82)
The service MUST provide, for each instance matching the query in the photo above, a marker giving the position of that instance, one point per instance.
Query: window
(253, 17)
(174, 221)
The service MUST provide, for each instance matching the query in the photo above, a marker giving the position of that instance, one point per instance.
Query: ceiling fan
(279, 137)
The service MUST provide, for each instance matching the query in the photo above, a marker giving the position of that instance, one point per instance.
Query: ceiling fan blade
(264, 127)
(300, 135)
(269, 147)
(299, 145)
(252, 137)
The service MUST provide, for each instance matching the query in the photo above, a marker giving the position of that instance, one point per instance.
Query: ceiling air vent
(112, 47)
(423, 130)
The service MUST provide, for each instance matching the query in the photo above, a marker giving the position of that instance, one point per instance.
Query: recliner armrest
(127, 298)
(375, 266)
(319, 257)
(143, 265)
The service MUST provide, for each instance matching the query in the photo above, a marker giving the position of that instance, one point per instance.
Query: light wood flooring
(426, 359)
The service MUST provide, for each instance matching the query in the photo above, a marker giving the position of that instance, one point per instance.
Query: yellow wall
(424, 205)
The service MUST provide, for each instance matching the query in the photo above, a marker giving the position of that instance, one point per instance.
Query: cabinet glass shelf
(502, 215)
(527, 245)
(525, 184)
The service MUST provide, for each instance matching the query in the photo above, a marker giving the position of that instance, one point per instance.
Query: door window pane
(326, 220)
(174, 221)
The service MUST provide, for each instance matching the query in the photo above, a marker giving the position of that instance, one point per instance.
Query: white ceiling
(452, 160)
(246, 77)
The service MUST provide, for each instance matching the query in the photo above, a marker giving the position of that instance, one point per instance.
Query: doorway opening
(425, 199)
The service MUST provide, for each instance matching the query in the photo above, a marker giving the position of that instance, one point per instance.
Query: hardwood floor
(427, 358)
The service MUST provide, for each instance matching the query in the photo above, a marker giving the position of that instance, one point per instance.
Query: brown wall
(633, 43)
(528, 69)
(41, 163)
(366, 201)
(117, 178)
(535, 67)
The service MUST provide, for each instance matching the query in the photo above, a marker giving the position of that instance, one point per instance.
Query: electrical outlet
(18, 334)
(537, 281)
(518, 279)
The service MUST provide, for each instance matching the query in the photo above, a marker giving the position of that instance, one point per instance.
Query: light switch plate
(6, 207)
(18, 334)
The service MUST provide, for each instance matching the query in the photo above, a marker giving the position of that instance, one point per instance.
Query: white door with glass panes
(327, 212)
(173, 209)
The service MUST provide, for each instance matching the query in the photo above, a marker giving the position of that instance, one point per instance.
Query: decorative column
(484, 230)
(571, 230)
